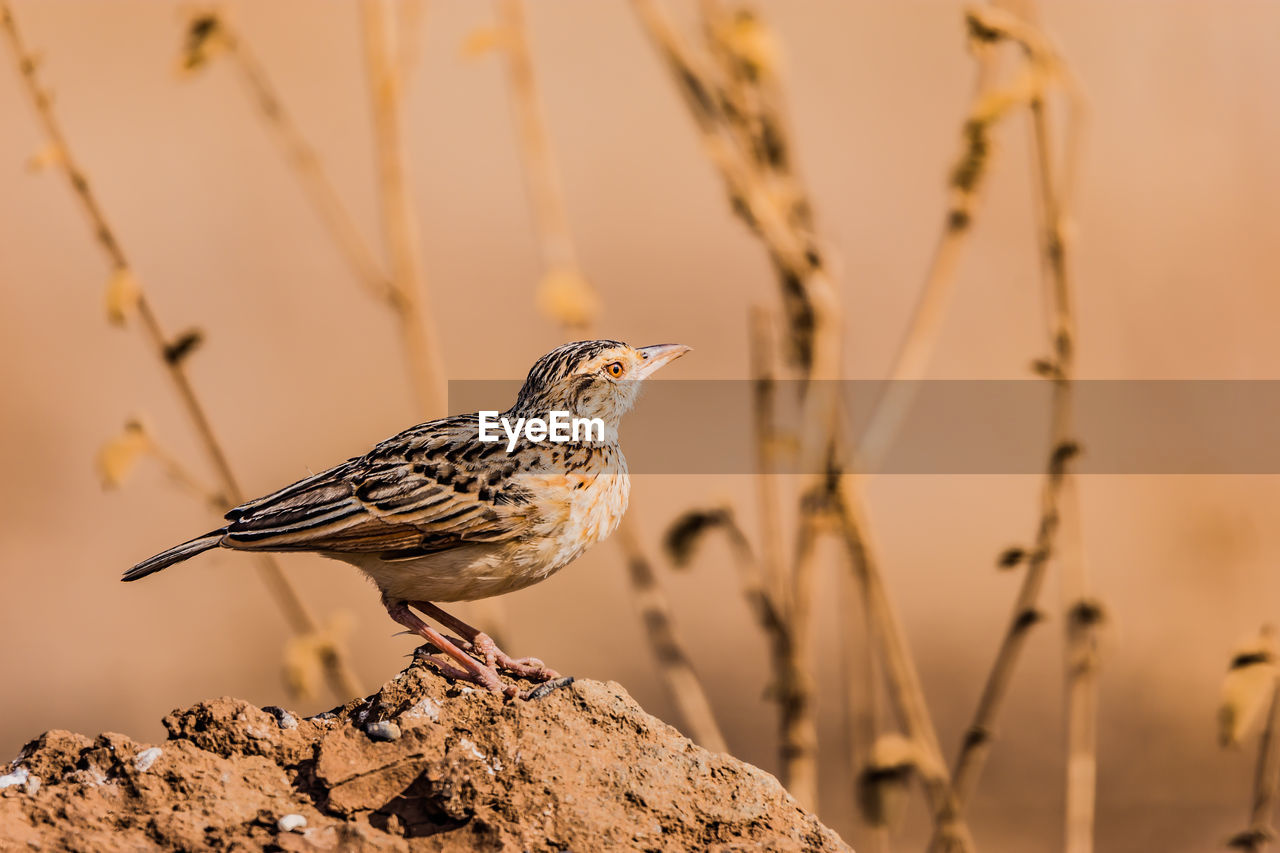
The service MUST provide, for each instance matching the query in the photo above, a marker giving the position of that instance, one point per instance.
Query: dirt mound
(420, 765)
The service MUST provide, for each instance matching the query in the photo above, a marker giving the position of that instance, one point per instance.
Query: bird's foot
(479, 675)
(531, 668)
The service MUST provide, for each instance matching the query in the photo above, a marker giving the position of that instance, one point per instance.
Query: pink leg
(481, 644)
(471, 669)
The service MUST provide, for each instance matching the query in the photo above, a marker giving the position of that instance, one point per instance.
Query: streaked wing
(432, 487)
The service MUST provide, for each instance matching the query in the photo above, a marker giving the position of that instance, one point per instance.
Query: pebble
(383, 730)
(17, 777)
(143, 760)
(291, 823)
(426, 707)
(284, 719)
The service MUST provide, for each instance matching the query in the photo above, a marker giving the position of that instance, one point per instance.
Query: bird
(442, 512)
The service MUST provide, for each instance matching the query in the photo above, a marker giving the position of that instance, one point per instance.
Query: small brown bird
(462, 508)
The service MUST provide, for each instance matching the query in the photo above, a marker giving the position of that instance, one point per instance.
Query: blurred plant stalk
(1057, 533)
(736, 104)
(392, 44)
(566, 295)
(399, 216)
(1250, 693)
(127, 298)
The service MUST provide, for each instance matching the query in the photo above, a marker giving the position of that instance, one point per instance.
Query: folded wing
(428, 489)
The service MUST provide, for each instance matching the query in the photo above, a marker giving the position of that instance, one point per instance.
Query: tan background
(1177, 225)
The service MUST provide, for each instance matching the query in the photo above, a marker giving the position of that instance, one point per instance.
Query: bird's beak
(658, 355)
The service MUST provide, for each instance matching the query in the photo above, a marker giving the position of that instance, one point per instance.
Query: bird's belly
(563, 529)
(464, 573)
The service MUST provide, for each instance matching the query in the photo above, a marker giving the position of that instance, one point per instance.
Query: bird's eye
(615, 369)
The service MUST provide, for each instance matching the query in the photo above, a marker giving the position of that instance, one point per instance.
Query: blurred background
(1176, 225)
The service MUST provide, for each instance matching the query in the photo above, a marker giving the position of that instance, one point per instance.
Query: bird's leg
(483, 645)
(471, 669)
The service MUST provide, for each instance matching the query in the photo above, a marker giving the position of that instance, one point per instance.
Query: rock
(383, 730)
(291, 823)
(581, 768)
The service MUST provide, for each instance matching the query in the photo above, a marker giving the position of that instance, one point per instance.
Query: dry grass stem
(674, 664)
(967, 179)
(770, 200)
(673, 660)
(799, 725)
(409, 30)
(773, 203)
(782, 603)
(570, 300)
(740, 119)
(1056, 534)
(399, 218)
(565, 294)
(417, 331)
(768, 444)
(905, 691)
(862, 688)
(1252, 680)
(1084, 615)
(297, 150)
(341, 678)
(786, 628)
(178, 472)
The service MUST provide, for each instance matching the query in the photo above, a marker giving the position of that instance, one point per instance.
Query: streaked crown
(591, 379)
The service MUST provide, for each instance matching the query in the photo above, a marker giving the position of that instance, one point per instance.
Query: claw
(463, 665)
(484, 677)
(522, 667)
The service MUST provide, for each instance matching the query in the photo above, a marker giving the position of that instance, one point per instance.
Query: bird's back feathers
(431, 487)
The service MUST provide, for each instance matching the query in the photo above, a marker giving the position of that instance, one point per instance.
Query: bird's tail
(175, 555)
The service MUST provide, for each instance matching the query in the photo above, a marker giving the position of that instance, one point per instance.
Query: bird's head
(592, 379)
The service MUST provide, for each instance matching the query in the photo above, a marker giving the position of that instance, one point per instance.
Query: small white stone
(426, 707)
(291, 823)
(143, 760)
(17, 777)
(467, 746)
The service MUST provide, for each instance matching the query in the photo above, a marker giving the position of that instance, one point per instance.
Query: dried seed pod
(1248, 688)
(304, 654)
(123, 293)
(684, 533)
(183, 345)
(47, 157)
(118, 456)
(1011, 557)
(751, 44)
(206, 39)
(565, 295)
(884, 783)
(482, 40)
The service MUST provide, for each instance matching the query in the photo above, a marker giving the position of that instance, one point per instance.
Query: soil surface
(420, 765)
